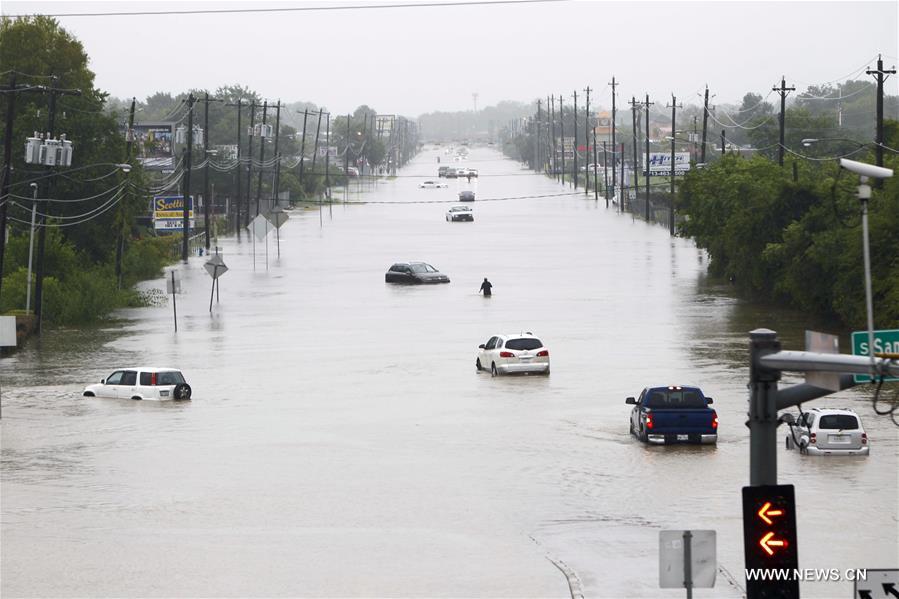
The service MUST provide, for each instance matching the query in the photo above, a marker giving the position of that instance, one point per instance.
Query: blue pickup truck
(673, 414)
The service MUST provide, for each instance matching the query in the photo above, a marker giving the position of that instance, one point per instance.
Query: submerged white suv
(142, 382)
(508, 354)
(826, 431)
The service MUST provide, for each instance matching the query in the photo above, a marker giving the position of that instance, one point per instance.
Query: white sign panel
(259, 227)
(703, 562)
(660, 163)
(7, 331)
(878, 584)
(171, 224)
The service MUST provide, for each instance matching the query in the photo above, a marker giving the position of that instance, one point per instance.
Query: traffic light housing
(770, 542)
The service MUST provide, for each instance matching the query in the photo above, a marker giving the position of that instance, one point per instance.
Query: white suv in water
(825, 431)
(142, 382)
(508, 354)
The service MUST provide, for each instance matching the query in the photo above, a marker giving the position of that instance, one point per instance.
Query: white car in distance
(511, 354)
(828, 431)
(142, 382)
(432, 185)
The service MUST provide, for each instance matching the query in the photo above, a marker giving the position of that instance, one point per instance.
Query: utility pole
(674, 108)
(587, 143)
(262, 136)
(537, 136)
(328, 160)
(614, 147)
(188, 164)
(574, 142)
(42, 234)
(7, 166)
(303, 147)
(782, 90)
(605, 172)
(206, 195)
(695, 137)
(562, 135)
(346, 155)
(552, 108)
(277, 182)
(705, 122)
(318, 128)
(120, 238)
(634, 120)
(723, 146)
(646, 106)
(878, 140)
(595, 167)
(621, 180)
(237, 170)
(250, 134)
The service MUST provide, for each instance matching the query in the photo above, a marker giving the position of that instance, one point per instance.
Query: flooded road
(340, 442)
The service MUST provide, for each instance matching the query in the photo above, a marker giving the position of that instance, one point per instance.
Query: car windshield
(844, 422)
(675, 399)
(420, 268)
(525, 343)
(169, 378)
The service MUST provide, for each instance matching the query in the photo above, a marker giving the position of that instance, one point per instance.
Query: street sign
(215, 266)
(673, 550)
(259, 226)
(277, 217)
(878, 584)
(7, 331)
(885, 342)
(770, 543)
(172, 285)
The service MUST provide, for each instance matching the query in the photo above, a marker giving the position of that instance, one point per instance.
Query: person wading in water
(486, 287)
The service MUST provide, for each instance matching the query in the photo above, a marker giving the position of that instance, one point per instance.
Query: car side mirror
(102, 381)
(630, 401)
(709, 400)
(481, 346)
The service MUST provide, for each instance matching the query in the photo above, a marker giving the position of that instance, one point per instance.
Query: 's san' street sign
(885, 341)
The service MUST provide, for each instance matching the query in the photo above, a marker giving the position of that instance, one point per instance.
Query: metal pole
(215, 270)
(762, 409)
(574, 142)
(562, 135)
(206, 156)
(31, 246)
(237, 172)
(614, 145)
(262, 137)
(246, 214)
(864, 193)
(688, 563)
(647, 159)
(188, 164)
(174, 302)
(276, 184)
(605, 172)
(595, 169)
(705, 122)
(303, 148)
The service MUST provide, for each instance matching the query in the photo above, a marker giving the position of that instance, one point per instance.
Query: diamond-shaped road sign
(259, 226)
(215, 266)
(277, 217)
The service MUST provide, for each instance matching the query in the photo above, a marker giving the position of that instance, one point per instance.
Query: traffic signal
(770, 542)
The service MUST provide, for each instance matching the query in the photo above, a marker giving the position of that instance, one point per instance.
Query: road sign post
(687, 559)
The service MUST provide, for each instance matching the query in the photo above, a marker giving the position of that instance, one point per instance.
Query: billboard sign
(603, 124)
(660, 163)
(168, 213)
(155, 145)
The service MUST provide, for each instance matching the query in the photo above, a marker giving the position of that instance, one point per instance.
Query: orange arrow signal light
(767, 543)
(766, 511)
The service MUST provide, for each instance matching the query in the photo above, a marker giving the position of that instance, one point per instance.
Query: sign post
(687, 559)
(173, 286)
(215, 266)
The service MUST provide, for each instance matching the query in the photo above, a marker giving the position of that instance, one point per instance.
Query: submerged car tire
(789, 443)
(477, 364)
(493, 370)
(182, 391)
(88, 394)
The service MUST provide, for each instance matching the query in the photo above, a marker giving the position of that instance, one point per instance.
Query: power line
(291, 9)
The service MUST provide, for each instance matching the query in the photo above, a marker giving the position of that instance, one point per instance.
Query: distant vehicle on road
(352, 171)
(673, 414)
(431, 185)
(828, 431)
(414, 273)
(466, 196)
(460, 213)
(450, 173)
(441, 172)
(509, 354)
(142, 382)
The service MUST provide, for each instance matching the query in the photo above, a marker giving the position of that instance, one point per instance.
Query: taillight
(153, 379)
(649, 421)
(812, 438)
(864, 438)
(714, 420)
(543, 353)
(506, 354)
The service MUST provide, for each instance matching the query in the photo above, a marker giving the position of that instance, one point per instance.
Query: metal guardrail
(194, 243)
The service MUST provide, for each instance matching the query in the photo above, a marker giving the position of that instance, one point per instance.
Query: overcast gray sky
(415, 60)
